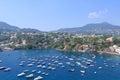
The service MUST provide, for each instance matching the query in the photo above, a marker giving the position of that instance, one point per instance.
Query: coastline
(62, 50)
(99, 52)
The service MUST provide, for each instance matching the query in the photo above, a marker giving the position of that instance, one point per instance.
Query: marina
(52, 65)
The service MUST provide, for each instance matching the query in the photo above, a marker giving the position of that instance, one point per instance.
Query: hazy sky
(49, 15)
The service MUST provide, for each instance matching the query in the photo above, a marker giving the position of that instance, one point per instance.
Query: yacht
(38, 78)
(21, 74)
(29, 76)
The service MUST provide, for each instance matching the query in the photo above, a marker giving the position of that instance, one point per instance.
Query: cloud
(97, 15)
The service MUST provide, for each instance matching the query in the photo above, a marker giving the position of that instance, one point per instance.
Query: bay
(100, 67)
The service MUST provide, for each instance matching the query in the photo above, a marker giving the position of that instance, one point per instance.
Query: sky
(47, 15)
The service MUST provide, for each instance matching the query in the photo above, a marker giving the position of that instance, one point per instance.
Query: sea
(55, 65)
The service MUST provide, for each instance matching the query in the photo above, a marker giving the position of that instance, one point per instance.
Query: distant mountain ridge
(97, 28)
(4, 27)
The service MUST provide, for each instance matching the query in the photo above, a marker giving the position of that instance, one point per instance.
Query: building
(110, 39)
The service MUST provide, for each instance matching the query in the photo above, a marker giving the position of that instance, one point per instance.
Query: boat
(1, 68)
(71, 59)
(21, 74)
(39, 72)
(25, 71)
(83, 72)
(71, 70)
(43, 73)
(38, 66)
(43, 67)
(0, 61)
(29, 76)
(99, 67)
(29, 65)
(33, 71)
(38, 78)
(88, 63)
(53, 68)
(95, 72)
(7, 69)
(46, 74)
(78, 63)
(21, 64)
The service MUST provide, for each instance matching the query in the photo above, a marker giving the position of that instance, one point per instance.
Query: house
(117, 49)
(110, 39)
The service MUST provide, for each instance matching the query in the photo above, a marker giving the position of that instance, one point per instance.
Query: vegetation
(60, 41)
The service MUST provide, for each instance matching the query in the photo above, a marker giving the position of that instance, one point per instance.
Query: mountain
(4, 27)
(97, 28)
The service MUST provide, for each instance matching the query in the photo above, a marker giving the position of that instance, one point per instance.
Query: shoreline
(82, 51)
(99, 52)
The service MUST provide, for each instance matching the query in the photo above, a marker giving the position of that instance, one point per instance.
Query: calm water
(62, 62)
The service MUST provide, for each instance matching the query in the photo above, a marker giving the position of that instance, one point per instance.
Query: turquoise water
(62, 62)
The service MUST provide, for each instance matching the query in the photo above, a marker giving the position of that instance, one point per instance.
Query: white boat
(1, 68)
(38, 78)
(71, 59)
(43, 73)
(38, 66)
(33, 71)
(7, 69)
(29, 76)
(99, 67)
(95, 72)
(39, 72)
(21, 74)
(21, 64)
(25, 71)
(43, 67)
(71, 70)
(53, 68)
(82, 71)
(30, 65)
(0, 61)
(78, 63)
(46, 74)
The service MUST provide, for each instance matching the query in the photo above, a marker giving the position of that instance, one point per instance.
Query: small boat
(46, 74)
(53, 68)
(39, 72)
(88, 63)
(29, 76)
(43, 73)
(0, 61)
(38, 78)
(62, 66)
(43, 67)
(78, 63)
(7, 69)
(68, 63)
(21, 64)
(38, 66)
(25, 71)
(71, 70)
(21, 74)
(33, 71)
(49, 67)
(29, 65)
(1, 68)
(99, 67)
(95, 72)
(83, 72)
(71, 59)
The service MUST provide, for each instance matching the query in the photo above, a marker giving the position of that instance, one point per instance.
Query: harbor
(52, 65)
